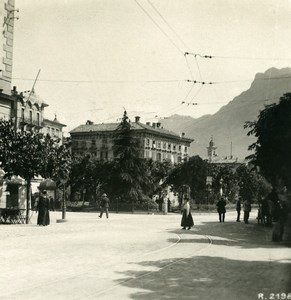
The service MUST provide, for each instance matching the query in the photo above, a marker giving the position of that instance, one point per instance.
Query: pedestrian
(187, 220)
(238, 209)
(247, 209)
(221, 209)
(104, 205)
(42, 208)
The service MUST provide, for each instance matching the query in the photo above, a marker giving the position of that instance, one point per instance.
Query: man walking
(104, 206)
(238, 209)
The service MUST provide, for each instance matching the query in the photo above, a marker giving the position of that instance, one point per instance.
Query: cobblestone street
(135, 256)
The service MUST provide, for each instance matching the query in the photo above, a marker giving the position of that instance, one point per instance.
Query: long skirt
(43, 217)
(187, 221)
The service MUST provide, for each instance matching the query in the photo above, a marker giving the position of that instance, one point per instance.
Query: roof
(55, 122)
(33, 98)
(110, 127)
(227, 160)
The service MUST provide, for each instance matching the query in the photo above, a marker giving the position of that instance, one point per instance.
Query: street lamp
(63, 182)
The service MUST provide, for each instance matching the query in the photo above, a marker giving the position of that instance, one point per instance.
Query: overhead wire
(161, 29)
(235, 57)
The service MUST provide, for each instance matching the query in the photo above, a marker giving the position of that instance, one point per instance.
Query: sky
(99, 57)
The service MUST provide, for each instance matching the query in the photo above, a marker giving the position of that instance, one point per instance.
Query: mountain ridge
(226, 125)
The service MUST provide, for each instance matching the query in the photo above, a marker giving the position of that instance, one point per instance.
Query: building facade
(157, 143)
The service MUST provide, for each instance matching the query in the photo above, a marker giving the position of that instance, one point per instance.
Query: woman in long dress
(187, 220)
(43, 210)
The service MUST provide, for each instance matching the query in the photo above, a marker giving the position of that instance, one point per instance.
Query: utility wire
(234, 57)
(161, 29)
(103, 81)
(175, 33)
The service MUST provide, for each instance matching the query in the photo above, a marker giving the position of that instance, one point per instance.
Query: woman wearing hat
(42, 208)
(187, 220)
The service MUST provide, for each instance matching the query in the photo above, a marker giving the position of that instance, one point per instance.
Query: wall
(7, 15)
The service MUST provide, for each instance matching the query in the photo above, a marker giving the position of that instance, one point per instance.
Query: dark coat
(221, 206)
(43, 207)
(105, 202)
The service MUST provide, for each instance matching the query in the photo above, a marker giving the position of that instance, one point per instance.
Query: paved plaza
(142, 256)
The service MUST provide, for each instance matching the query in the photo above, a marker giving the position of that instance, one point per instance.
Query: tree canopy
(273, 145)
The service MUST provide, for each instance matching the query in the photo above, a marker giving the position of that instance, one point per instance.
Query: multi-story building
(25, 109)
(157, 143)
(28, 114)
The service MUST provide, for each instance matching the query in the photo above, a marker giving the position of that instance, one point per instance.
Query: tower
(211, 150)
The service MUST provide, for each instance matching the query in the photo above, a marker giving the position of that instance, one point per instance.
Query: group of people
(187, 219)
(221, 204)
(44, 205)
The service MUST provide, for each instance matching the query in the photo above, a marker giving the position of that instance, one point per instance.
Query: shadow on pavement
(205, 277)
(232, 234)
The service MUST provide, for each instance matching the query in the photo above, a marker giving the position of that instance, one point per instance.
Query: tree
(273, 145)
(190, 173)
(26, 154)
(129, 172)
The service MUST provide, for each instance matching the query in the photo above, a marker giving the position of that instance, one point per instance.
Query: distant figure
(263, 212)
(282, 218)
(42, 208)
(104, 206)
(221, 209)
(52, 204)
(238, 209)
(247, 210)
(187, 220)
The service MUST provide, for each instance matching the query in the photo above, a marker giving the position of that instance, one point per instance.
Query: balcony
(29, 122)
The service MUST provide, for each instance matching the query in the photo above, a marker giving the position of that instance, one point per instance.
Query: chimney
(89, 122)
(154, 125)
(158, 125)
(148, 123)
(183, 134)
(137, 118)
(14, 91)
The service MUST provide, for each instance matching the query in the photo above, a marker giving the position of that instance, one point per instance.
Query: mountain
(226, 126)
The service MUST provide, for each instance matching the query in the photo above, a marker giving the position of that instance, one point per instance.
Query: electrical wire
(161, 29)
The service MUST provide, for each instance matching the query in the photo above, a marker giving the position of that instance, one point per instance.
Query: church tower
(211, 150)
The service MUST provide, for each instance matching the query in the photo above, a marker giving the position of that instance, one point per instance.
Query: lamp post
(63, 182)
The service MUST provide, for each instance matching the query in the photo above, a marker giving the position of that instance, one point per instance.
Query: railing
(12, 216)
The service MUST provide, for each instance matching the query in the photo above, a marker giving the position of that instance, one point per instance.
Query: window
(164, 145)
(30, 116)
(22, 114)
(180, 148)
(179, 159)
(174, 147)
(147, 142)
(154, 144)
(57, 132)
(104, 155)
(93, 143)
(169, 146)
(186, 149)
(159, 157)
(38, 119)
(159, 145)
